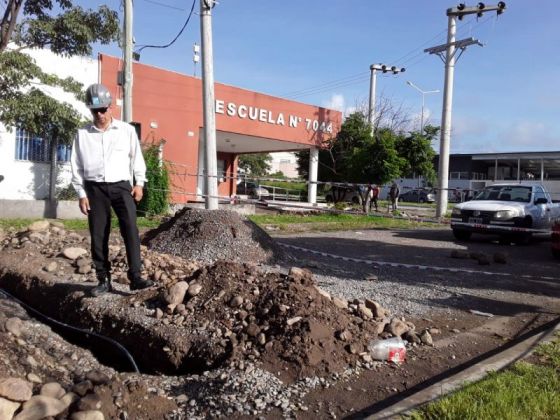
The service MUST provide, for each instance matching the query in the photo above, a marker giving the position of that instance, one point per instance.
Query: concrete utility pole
(208, 100)
(424, 93)
(127, 82)
(450, 58)
(374, 68)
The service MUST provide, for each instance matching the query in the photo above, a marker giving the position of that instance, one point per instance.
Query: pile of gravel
(211, 235)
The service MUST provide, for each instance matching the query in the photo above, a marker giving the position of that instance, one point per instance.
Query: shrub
(156, 189)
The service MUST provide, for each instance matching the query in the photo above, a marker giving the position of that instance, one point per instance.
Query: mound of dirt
(201, 316)
(285, 322)
(208, 236)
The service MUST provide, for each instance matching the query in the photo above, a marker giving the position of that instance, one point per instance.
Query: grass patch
(524, 391)
(298, 223)
(76, 224)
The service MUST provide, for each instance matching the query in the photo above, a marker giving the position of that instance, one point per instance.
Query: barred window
(32, 148)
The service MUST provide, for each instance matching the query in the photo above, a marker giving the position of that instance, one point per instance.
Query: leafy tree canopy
(67, 30)
(354, 155)
(417, 153)
(255, 164)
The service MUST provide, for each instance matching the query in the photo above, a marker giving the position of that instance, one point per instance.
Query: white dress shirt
(107, 156)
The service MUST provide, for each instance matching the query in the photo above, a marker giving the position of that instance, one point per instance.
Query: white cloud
(336, 102)
(480, 135)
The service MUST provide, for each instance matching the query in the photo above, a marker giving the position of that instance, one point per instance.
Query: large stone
(194, 289)
(364, 311)
(87, 415)
(39, 226)
(323, 292)
(396, 327)
(98, 378)
(7, 408)
(39, 407)
(73, 253)
(53, 390)
(50, 267)
(426, 338)
(14, 325)
(15, 389)
(340, 303)
(82, 388)
(89, 402)
(69, 398)
(176, 293)
(376, 308)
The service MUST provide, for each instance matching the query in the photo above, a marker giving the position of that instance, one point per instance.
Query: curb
(471, 374)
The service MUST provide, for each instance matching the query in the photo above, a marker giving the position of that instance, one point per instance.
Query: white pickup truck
(502, 208)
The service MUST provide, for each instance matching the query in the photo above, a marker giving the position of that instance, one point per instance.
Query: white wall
(29, 180)
(285, 162)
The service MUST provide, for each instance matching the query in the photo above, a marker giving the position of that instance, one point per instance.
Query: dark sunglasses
(99, 110)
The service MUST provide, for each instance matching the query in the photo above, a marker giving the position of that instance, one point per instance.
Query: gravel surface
(528, 277)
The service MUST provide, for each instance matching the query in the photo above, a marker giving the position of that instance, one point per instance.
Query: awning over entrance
(227, 142)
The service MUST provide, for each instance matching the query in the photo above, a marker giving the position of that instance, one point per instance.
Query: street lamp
(374, 68)
(423, 92)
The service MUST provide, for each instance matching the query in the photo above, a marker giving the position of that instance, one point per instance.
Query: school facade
(167, 112)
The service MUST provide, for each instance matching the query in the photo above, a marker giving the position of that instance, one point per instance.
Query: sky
(506, 95)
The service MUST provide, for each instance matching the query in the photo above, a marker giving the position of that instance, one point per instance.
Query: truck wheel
(462, 235)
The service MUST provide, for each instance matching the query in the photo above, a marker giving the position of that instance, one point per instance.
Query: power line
(418, 57)
(168, 6)
(176, 37)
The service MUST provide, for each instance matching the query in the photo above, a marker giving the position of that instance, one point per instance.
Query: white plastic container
(391, 350)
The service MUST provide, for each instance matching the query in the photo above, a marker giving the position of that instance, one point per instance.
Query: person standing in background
(394, 194)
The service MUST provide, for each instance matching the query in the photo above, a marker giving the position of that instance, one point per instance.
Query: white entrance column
(313, 170)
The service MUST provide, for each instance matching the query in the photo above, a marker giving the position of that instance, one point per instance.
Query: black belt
(103, 183)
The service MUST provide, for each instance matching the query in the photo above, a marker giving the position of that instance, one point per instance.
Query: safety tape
(500, 227)
(414, 266)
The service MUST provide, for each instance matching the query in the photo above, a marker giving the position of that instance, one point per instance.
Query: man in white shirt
(106, 158)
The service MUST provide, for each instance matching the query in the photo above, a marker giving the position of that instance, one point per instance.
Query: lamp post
(372, 83)
(423, 92)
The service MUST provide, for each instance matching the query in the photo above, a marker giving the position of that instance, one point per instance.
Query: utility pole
(374, 68)
(451, 48)
(127, 82)
(208, 100)
(423, 92)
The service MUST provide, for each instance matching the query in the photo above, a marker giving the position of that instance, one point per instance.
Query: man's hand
(137, 193)
(84, 205)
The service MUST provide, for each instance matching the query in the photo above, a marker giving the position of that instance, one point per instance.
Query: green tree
(417, 153)
(354, 155)
(156, 190)
(67, 30)
(255, 164)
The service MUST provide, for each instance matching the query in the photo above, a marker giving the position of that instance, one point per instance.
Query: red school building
(168, 106)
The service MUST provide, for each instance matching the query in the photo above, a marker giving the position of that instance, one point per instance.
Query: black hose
(86, 332)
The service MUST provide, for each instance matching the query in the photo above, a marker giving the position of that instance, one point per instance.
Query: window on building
(31, 148)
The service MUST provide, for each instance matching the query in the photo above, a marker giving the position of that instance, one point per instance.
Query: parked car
(343, 195)
(251, 189)
(505, 205)
(418, 196)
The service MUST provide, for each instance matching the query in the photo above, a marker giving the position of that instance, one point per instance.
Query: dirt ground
(283, 323)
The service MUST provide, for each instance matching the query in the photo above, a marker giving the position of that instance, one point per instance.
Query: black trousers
(102, 196)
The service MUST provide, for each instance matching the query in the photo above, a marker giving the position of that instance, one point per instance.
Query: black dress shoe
(140, 283)
(104, 286)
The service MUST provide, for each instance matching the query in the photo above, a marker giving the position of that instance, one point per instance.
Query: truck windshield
(505, 193)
